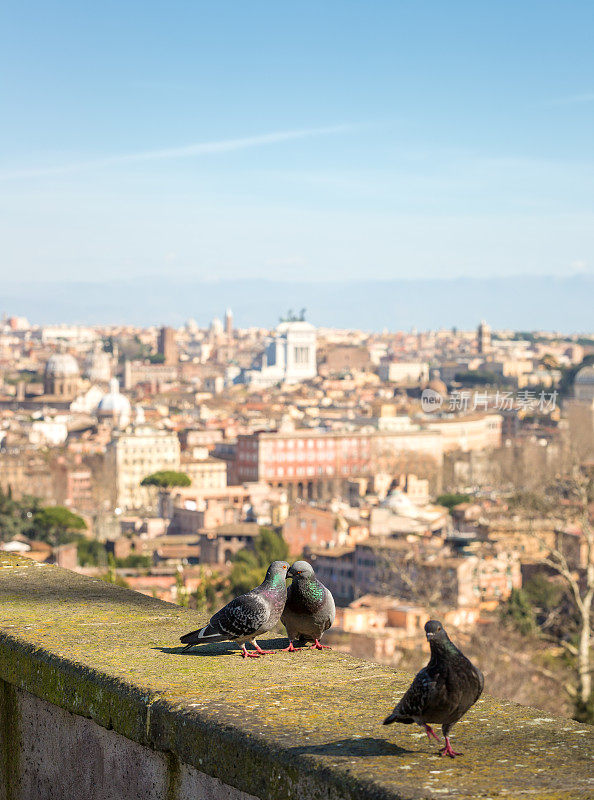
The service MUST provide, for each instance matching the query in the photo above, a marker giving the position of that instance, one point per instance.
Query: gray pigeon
(441, 692)
(310, 607)
(248, 615)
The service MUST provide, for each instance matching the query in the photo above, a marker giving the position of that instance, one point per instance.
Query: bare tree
(404, 571)
(384, 458)
(579, 580)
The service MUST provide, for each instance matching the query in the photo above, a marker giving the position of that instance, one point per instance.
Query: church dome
(398, 502)
(61, 365)
(438, 386)
(114, 405)
(585, 377)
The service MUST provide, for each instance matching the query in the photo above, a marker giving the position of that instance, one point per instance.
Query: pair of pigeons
(306, 610)
(442, 692)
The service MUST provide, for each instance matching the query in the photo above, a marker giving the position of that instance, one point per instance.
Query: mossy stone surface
(288, 725)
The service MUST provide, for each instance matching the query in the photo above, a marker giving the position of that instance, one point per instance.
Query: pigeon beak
(430, 636)
(290, 573)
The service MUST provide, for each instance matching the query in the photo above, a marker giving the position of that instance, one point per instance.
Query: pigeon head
(277, 570)
(435, 632)
(301, 569)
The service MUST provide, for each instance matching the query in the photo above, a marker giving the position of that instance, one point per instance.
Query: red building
(310, 526)
(73, 485)
(314, 465)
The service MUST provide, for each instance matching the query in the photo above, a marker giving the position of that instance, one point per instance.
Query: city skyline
(522, 303)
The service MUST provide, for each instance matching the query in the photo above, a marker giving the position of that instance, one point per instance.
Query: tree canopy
(57, 525)
(451, 499)
(166, 479)
(250, 565)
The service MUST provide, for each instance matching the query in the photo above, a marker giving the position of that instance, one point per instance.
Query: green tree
(111, 575)
(205, 596)
(569, 373)
(56, 525)
(542, 593)
(134, 561)
(519, 613)
(451, 499)
(166, 479)
(91, 553)
(12, 519)
(182, 593)
(250, 566)
(270, 546)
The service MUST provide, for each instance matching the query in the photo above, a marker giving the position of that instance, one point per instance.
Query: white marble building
(290, 356)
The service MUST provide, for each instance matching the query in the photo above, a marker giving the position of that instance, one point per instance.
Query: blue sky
(323, 140)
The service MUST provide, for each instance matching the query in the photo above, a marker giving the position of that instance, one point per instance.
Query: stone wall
(51, 753)
(98, 702)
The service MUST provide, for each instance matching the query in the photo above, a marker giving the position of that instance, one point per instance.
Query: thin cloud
(185, 151)
(572, 100)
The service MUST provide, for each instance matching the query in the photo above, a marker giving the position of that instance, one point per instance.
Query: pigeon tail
(206, 634)
(395, 716)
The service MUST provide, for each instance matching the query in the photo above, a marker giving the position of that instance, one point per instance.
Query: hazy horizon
(520, 302)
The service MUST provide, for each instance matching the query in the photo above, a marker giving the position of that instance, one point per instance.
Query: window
(301, 355)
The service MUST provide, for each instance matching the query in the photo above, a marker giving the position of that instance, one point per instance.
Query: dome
(61, 365)
(438, 386)
(585, 377)
(398, 502)
(115, 405)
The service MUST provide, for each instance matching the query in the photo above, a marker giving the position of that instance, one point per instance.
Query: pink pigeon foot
(291, 648)
(447, 750)
(317, 646)
(431, 733)
(245, 653)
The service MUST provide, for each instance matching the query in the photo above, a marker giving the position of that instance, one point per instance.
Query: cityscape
(422, 474)
(297, 400)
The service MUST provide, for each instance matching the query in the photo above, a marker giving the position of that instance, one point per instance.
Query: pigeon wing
(421, 694)
(242, 617)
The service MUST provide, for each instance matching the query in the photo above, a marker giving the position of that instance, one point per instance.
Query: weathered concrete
(284, 726)
(63, 756)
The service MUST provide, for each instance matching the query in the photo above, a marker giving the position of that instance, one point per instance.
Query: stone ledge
(284, 726)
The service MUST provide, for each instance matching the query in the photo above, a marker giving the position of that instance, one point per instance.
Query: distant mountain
(520, 302)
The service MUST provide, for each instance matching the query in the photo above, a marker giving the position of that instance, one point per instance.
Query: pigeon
(441, 692)
(248, 615)
(309, 610)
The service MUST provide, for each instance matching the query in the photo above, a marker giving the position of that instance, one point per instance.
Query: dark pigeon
(443, 691)
(309, 610)
(248, 615)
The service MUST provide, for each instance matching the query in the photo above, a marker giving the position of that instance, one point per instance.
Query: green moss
(10, 740)
(173, 777)
(288, 725)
